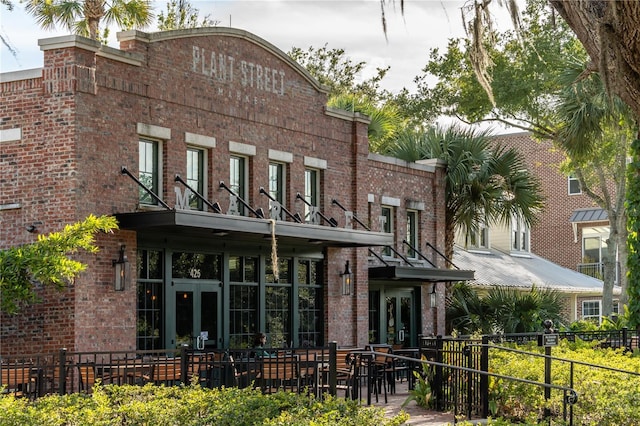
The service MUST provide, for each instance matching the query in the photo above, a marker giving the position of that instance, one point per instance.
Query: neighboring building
(572, 229)
(242, 201)
(568, 238)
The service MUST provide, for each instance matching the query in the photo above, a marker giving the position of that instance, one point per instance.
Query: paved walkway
(418, 415)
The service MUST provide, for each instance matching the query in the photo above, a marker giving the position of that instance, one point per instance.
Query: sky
(353, 25)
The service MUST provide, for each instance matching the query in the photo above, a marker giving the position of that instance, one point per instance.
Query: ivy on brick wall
(633, 241)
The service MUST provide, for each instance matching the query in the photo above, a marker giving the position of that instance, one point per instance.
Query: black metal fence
(459, 366)
(297, 370)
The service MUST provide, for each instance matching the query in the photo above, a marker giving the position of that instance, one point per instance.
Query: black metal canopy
(418, 274)
(201, 224)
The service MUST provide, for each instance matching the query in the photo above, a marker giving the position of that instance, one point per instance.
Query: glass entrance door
(399, 318)
(195, 314)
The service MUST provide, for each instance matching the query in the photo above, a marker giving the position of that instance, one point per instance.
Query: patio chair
(86, 377)
(279, 372)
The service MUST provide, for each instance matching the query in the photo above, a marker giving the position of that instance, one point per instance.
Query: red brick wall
(79, 127)
(552, 238)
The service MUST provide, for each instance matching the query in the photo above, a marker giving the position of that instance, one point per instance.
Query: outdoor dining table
(125, 372)
(21, 380)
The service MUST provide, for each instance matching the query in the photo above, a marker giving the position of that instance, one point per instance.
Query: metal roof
(497, 268)
(589, 215)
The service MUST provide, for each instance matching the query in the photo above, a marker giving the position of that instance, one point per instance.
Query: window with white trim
(592, 248)
(238, 179)
(573, 185)
(276, 189)
(311, 194)
(276, 181)
(480, 238)
(196, 172)
(386, 219)
(519, 235)
(591, 310)
(149, 170)
(412, 233)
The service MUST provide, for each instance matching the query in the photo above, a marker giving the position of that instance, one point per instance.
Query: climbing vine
(633, 241)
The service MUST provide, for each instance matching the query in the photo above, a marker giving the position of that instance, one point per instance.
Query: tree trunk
(608, 29)
(93, 13)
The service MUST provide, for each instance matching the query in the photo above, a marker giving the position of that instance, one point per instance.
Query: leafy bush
(421, 392)
(187, 405)
(605, 397)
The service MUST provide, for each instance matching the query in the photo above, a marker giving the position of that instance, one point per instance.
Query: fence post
(484, 378)
(184, 364)
(333, 368)
(62, 376)
(437, 379)
(625, 337)
(466, 350)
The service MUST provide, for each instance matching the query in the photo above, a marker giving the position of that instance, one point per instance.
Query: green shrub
(604, 397)
(421, 392)
(186, 406)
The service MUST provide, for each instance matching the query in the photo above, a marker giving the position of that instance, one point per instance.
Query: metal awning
(417, 274)
(589, 215)
(586, 216)
(242, 228)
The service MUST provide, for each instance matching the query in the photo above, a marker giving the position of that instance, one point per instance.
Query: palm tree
(467, 312)
(516, 311)
(484, 183)
(182, 15)
(501, 309)
(84, 17)
(385, 119)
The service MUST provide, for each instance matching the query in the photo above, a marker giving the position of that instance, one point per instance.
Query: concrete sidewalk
(419, 415)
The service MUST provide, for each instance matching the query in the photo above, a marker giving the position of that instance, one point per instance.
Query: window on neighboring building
(412, 232)
(238, 179)
(311, 194)
(591, 310)
(149, 170)
(573, 185)
(519, 235)
(480, 238)
(196, 175)
(386, 219)
(592, 247)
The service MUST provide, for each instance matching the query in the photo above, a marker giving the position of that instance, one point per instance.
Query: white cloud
(354, 25)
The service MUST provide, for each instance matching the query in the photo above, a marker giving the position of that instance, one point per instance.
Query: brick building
(572, 228)
(571, 232)
(242, 201)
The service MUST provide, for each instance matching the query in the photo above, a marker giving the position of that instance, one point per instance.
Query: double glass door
(399, 318)
(194, 309)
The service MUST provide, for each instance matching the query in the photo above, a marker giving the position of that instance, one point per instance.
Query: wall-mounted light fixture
(433, 301)
(33, 228)
(121, 270)
(347, 275)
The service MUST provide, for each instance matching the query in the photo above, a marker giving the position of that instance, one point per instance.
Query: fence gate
(453, 389)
